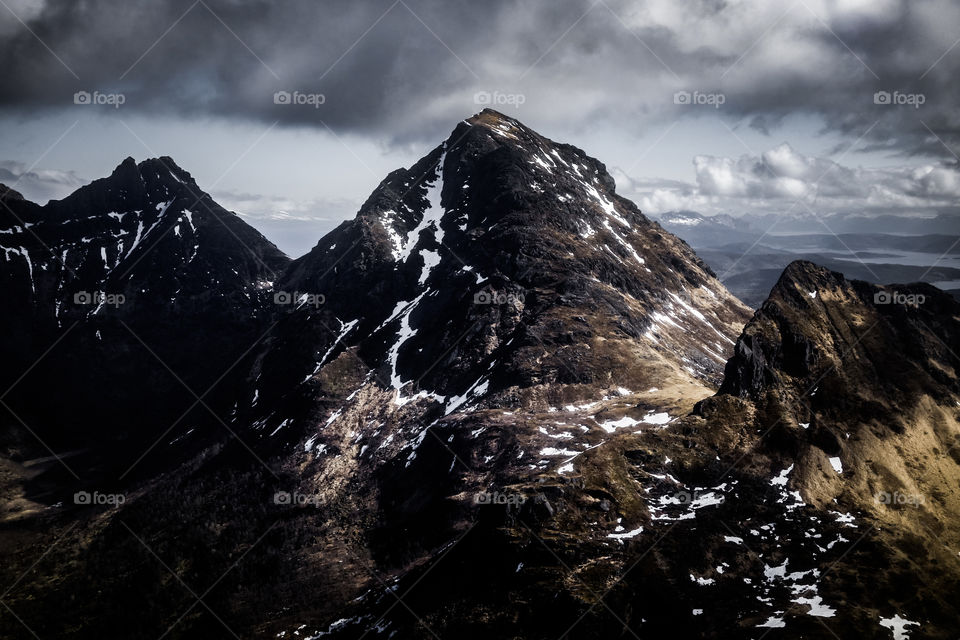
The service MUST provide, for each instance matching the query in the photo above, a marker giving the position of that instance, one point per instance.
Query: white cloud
(39, 185)
(279, 208)
(782, 178)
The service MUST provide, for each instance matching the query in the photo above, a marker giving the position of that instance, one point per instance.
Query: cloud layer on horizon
(783, 180)
(39, 185)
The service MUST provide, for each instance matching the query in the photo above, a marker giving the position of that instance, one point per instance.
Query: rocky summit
(500, 402)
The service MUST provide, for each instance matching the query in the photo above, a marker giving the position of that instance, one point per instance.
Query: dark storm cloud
(375, 63)
(402, 69)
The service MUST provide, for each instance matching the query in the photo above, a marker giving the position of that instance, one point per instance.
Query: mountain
(851, 390)
(501, 402)
(750, 269)
(708, 231)
(752, 251)
(500, 275)
(500, 262)
(827, 461)
(940, 222)
(127, 300)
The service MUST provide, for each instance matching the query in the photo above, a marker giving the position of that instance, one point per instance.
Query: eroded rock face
(473, 416)
(505, 261)
(853, 388)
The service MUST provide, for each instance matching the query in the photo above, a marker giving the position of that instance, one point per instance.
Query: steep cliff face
(853, 372)
(815, 318)
(824, 464)
(852, 388)
(815, 495)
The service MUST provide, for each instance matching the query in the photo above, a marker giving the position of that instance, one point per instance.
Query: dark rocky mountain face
(850, 391)
(494, 405)
(855, 387)
(124, 300)
(501, 265)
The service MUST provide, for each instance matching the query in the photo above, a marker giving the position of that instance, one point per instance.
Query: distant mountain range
(750, 252)
(500, 402)
(808, 223)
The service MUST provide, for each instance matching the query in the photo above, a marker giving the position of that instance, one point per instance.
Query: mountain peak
(805, 272)
(126, 170)
(802, 279)
(8, 194)
(171, 260)
(509, 258)
(163, 166)
(491, 118)
(816, 320)
(504, 131)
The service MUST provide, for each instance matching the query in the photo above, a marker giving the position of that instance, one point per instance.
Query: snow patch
(898, 626)
(626, 535)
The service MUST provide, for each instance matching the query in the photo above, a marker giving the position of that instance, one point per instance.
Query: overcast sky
(736, 107)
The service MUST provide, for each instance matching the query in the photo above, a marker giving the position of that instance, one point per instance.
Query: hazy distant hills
(749, 253)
